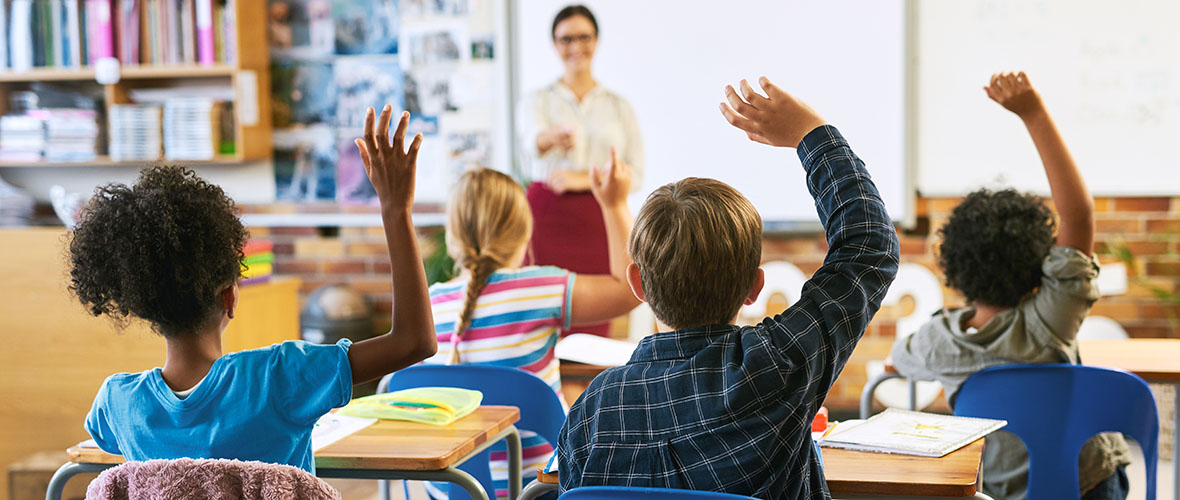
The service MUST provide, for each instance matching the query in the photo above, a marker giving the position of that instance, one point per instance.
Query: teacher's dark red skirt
(568, 232)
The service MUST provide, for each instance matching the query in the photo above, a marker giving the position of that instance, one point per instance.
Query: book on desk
(910, 433)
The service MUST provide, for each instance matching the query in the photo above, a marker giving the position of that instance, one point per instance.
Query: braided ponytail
(481, 268)
(488, 223)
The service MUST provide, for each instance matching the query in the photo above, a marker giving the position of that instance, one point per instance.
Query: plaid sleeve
(819, 332)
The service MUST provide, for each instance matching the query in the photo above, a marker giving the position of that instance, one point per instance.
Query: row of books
(185, 128)
(75, 33)
(56, 135)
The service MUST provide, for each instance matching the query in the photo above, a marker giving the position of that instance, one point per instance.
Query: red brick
(1162, 226)
(344, 267)
(310, 285)
(1103, 204)
(372, 285)
(1146, 248)
(382, 268)
(777, 248)
(1119, 226)
(1154, 204)
(1164, 268)
(1116, 310)
(1149, 332)
(284, 249)
(291, 266)
(1158, 311)
(914, 246)
(295, 231)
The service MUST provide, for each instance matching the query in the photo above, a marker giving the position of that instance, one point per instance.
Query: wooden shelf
(106, 161)
(127, 72)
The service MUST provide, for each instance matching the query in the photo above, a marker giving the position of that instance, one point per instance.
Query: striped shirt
(516, 322)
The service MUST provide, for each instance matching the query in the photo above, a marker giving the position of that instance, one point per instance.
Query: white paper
(594, 350)
(332, 427)
(911, 433)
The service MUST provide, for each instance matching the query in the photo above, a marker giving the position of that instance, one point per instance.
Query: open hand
(556, 137)
(389, 167)
(779, 119)
(611, 184)
(1015, 93)
(563, 181)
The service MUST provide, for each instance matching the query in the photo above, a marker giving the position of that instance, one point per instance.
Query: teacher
(564, 129)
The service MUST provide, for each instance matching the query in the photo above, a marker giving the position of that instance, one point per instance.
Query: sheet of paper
(332, 427)
(594, 350)
(911, 433)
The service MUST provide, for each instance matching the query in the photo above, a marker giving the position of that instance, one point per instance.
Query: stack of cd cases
(135, 132)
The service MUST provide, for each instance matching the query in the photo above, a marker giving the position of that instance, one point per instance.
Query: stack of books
(191, 128)
(71, 135)
(258, 264)
(22, 138)
(16, 207)
(134, 132)
(75, 33)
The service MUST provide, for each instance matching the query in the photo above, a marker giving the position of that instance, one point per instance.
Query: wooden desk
(856, 472)
(387, 449)
(1155, 360)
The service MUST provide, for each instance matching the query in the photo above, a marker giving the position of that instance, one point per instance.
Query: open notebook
(911, 433)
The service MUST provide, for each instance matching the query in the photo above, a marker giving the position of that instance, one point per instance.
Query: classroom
(592, 249)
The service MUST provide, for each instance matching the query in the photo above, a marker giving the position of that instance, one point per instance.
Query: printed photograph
(435, 44)
(430, 92)
(302, 93)
(305, 164)
(301, 29)
(483, 47)
(434, 8)
(353, 186)
(363, 82)
(468, 150)
(366, 26)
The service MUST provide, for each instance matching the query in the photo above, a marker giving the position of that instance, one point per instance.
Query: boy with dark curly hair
(168, 250)
(1027, 293)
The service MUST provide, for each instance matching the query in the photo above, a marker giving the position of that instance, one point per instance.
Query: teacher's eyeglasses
(570, 39)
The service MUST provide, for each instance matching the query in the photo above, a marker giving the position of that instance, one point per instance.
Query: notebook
(911, 433)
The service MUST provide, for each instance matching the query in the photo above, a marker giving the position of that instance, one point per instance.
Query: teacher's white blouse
(600, 120)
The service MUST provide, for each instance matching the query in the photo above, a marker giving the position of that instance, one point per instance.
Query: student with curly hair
(1027, 293)
(168, 250)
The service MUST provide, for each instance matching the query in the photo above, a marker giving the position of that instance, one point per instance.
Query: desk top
(851, 472)
(388, 444)
(1156, 360)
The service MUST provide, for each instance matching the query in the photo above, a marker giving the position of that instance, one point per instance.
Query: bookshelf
(248, 75)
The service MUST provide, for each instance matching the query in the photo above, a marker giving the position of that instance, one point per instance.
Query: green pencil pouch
(428, 405)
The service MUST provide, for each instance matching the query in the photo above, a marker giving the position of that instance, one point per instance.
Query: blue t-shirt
(253, 405)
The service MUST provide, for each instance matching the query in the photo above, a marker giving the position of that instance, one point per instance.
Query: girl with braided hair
(496, 312)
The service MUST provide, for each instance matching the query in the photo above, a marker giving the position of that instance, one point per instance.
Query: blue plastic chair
(1056, 408)
(540, 410)
(626, 493)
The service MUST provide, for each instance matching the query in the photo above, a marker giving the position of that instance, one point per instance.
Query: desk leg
(515, 458)
(535, 489)
(67, 471)
(866, 395)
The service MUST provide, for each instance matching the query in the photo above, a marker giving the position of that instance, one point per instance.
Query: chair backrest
(626, 493)
(1055, 408)
(540, 410)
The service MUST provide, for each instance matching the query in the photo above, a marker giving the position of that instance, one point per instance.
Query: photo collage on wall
(332, 59)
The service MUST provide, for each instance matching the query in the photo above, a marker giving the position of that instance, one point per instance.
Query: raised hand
(779, 119)
(1015, 93)
(390, 168)
(611, 184)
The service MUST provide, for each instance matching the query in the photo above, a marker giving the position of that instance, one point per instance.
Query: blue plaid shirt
(728, 408)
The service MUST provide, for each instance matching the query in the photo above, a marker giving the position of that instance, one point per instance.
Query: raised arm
(819, 332)
(597, 298)
(392, 172)
(1075, 207)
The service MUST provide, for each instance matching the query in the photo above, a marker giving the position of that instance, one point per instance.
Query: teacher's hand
(556, 137)
(564, 181)
(611, 184)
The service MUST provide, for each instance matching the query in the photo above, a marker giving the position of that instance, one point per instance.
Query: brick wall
(1148, 227)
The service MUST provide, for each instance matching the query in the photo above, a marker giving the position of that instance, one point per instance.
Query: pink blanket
(186, 478)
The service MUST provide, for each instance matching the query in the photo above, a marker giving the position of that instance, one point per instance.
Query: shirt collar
(679, 344)
(564, 91)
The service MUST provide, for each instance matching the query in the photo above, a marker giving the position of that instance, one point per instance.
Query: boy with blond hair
(706, 404)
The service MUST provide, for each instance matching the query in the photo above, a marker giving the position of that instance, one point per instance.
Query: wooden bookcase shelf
(248, 75)
(106, 161)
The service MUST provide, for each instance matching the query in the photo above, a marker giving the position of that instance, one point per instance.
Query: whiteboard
(1109, 73)
(671, 59)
